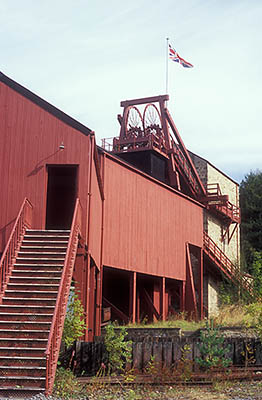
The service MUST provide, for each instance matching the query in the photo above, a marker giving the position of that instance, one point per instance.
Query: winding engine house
(140, 227)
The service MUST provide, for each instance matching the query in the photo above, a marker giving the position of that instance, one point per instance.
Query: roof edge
(126, 164)
(212, 165)
(44, 104)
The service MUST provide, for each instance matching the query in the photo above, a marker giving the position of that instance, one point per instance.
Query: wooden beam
(191, 303)
(151, 304)
(145, 100)
(118, 312)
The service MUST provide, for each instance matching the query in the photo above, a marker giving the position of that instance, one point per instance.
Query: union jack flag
(174, 56)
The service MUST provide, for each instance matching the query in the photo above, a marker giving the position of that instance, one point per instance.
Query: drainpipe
(91, 155)
(100, 275)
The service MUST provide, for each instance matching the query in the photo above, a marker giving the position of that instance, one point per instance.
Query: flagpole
(167, 46)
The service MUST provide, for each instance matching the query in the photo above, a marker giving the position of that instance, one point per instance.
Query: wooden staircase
(27, 309)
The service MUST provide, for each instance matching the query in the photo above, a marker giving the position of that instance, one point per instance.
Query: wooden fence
(166, 347)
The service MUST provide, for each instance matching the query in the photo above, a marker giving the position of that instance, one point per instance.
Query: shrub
(118, 349)
(74, 325)
(212, 349)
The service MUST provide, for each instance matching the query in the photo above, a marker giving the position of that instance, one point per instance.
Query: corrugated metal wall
(147, 224)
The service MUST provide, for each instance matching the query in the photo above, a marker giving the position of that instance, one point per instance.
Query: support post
(182, 296)
(201, 286)
(134, 298)
(163, 298)
(156, 299)
(87, 297)
(98, 303)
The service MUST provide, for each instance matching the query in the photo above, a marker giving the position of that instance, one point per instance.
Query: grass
(230, 315)
(218, 391)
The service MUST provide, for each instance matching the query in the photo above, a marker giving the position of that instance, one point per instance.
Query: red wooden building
(126, 225)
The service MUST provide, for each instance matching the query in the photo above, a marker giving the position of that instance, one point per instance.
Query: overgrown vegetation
(213, 352)
(181, 321)
(119, 349)
(74, 326)
(67, 386)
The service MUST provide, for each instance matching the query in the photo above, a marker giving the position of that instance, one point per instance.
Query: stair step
(24, 334)
(22, 361)
(46, 238)
(21, 393)
(22, 351)
(44, 243)
(40, 261)
(34, 301)
(46, 249)
(25, 317)
(48, 294)
(38, 268)
(21, 309)
(22, 370)
(48, 231)
(32, 287)
(35, 280)
(23, 342)
(27, 273)
(25, 381)
(25, 325)
(41, 254)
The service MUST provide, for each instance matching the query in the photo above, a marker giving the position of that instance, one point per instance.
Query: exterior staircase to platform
(27, 309)
(226, 266)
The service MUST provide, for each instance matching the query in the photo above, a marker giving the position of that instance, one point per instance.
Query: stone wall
(213, 225)
(215, 228)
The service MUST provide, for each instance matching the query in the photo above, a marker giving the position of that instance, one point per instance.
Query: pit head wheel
(152, 120)
(133, 123)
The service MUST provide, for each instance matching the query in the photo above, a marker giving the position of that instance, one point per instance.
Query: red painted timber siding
(29, 140)
(94, 242)
(147, 224)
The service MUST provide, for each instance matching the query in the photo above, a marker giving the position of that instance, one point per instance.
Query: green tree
(251, 212)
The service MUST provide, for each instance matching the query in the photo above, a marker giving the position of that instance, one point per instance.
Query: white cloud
(85, 57)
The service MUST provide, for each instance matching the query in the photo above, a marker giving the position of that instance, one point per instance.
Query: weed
(66, 385)
(212, 349)
(74, 325)
(185, 365)
(119, 350)
(248, 354)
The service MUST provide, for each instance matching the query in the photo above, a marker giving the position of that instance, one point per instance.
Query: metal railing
(225, 264)
(220, 202)
(56, 330)
(185, 167)
(22, 222)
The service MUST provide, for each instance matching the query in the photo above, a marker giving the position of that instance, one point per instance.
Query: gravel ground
(219, 391)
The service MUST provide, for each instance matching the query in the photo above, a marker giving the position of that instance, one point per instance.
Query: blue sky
(86, 56)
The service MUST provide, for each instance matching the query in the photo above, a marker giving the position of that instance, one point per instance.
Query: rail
(185, 167)
(56, 330)
(22, 222)
(225, 264)
(220, 203)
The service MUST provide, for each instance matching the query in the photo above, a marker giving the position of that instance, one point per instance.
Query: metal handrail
(22, 222)
(56, 330)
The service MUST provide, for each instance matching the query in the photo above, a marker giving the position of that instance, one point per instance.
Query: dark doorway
(61, 196)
